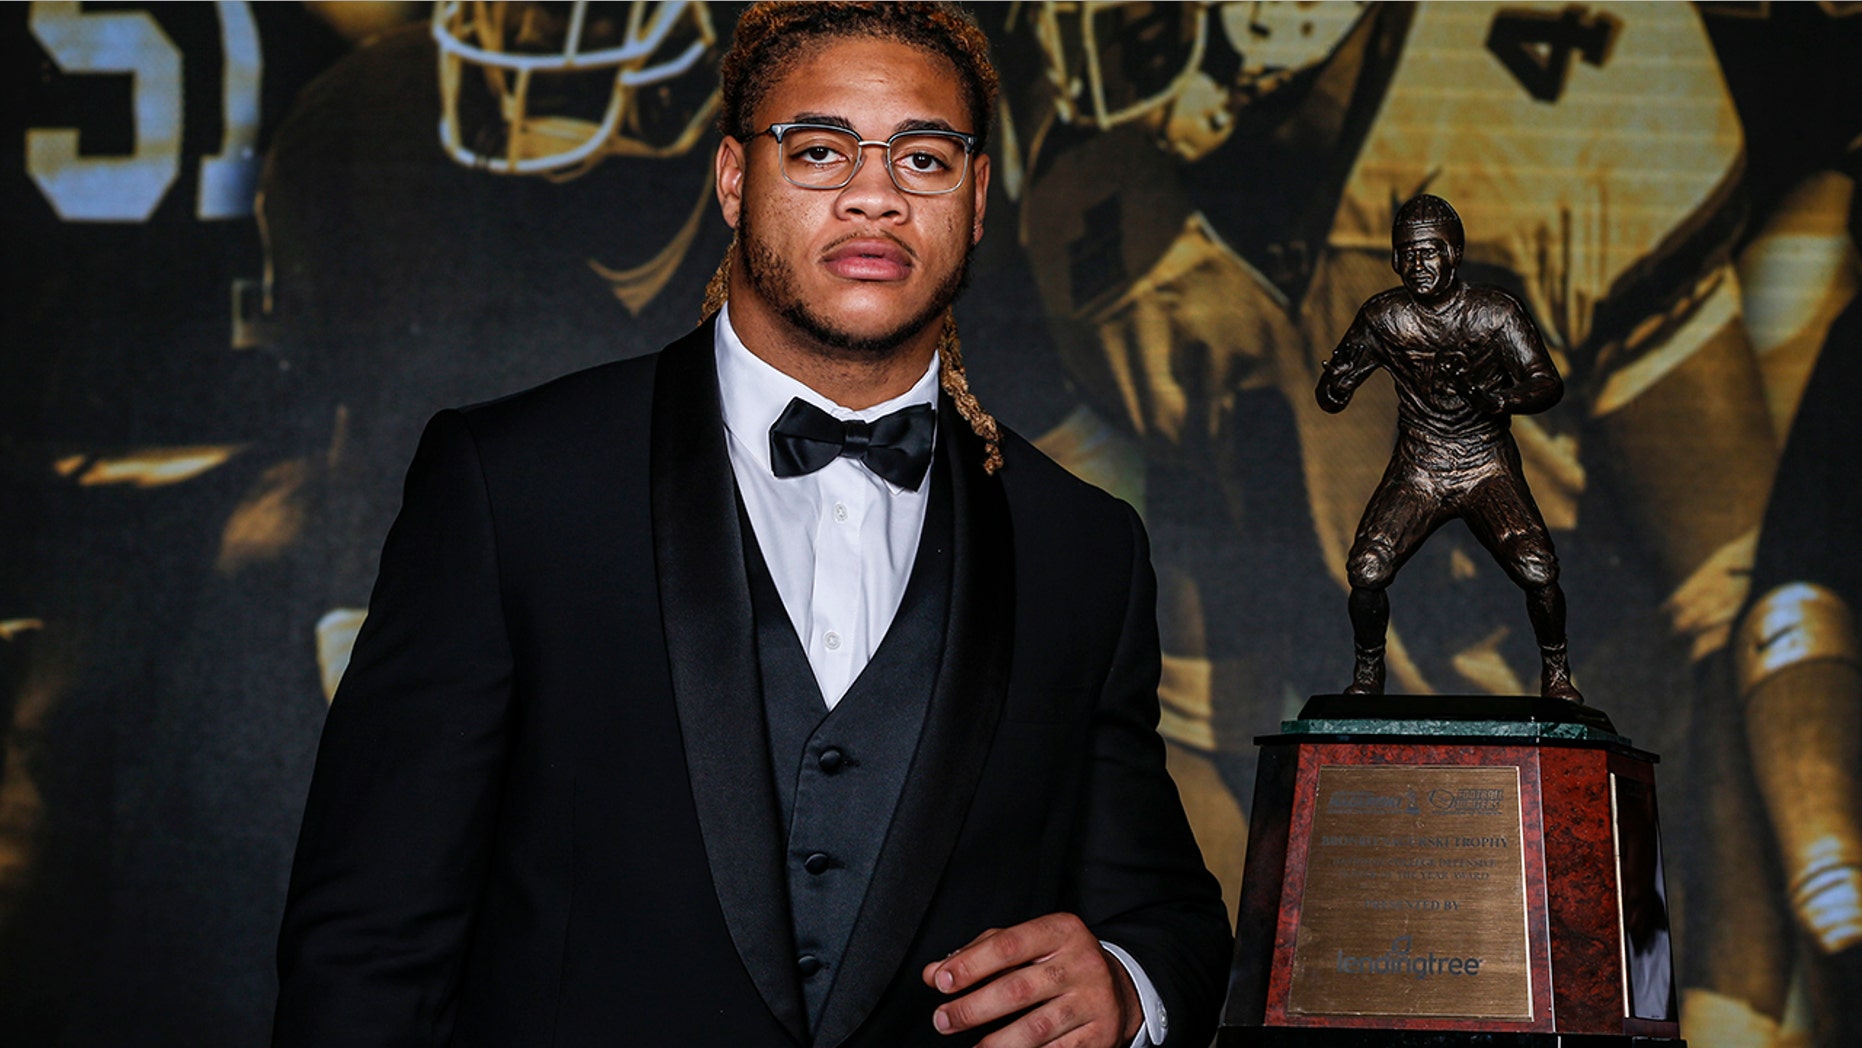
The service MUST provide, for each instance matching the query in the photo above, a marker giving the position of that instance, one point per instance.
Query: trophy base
(1285, 1037)
(1452, 870)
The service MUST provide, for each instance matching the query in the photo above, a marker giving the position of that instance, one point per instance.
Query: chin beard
(773, 277)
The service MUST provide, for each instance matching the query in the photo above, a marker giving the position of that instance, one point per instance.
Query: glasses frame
(776, 131)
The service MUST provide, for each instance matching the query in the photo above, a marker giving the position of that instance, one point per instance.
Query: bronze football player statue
(1465, 360)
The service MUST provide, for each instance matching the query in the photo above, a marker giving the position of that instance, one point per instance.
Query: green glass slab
(1526, 718)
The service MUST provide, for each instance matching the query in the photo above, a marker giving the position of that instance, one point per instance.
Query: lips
(868, 258)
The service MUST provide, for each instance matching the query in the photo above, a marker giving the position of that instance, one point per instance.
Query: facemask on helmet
(1279, 39)
(1114, 63)
(559, 86)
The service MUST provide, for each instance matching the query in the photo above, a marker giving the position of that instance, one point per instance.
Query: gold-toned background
(252, 247)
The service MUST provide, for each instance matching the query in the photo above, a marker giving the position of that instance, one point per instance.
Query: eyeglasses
(818, 156)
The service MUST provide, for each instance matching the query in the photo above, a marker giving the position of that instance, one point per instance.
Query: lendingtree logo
(1399, 960)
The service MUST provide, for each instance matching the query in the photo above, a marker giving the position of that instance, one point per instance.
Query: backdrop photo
(253, 247)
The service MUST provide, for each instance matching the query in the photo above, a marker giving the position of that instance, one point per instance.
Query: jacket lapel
(960, 725)
(705, 611)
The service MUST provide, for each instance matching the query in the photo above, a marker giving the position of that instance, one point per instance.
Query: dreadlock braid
(951, 375)
(718, 288)
(957, 383)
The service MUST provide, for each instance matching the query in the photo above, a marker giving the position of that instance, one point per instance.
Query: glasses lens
(819, 157)
(927, 163)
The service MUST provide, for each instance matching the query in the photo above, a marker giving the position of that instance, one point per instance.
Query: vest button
(808, 964)
(831, 760)
(817, 863)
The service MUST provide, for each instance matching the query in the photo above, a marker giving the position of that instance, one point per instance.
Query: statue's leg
(1398, 518)
(1370, 621)
(1545, 606)
(1502, 515)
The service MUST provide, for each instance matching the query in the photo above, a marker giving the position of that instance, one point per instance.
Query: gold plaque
(1415, 896)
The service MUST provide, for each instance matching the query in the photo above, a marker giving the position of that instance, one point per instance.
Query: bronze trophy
(1465, 360)
(1443, 870)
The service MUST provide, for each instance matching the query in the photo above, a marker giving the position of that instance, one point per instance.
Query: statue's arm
(1532, 383)
(1351, 363)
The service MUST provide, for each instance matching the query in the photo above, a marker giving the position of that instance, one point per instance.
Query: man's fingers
(1050, 976)
(1025, 943)
(1017, 991)
(987, 933)
(930, 973)
(1056, 1024)
(980, 960)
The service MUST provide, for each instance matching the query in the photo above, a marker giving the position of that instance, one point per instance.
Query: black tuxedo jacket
(543, 809)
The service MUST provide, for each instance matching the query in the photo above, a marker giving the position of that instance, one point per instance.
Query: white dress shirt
(839, 542)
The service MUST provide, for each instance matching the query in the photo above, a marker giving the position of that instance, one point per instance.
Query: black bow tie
(897, 447)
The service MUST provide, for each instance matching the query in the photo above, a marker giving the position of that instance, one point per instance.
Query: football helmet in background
(1111, 63)
(566, 84)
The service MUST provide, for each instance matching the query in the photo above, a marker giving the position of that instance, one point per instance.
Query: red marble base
(1569, 833)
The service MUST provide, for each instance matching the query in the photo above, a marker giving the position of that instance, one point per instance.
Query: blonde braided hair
(718, 288)
(951, 375)
(956, 382)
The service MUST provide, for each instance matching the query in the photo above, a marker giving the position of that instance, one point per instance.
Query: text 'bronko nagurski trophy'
(1441, 870)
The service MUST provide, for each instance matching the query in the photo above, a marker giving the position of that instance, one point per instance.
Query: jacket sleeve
(1143, 883)
(395, 839)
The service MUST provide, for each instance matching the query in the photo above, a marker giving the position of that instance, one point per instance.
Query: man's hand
(1070, 991)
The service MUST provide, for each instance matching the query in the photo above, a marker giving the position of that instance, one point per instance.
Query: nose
(872, 194)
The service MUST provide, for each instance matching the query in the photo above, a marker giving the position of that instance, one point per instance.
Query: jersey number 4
(1537, 46)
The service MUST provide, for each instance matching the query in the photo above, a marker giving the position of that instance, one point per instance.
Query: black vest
(839, 774)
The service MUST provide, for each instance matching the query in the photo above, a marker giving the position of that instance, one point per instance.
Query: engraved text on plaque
(1415, 899)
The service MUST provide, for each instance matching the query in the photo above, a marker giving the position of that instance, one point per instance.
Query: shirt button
(831, 760)
(832, 640)
(840, 513)
(817, 863)
(808, 964)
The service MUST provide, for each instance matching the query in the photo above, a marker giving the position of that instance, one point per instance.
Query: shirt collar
(753, 392)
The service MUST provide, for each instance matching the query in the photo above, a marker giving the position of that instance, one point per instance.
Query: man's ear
(729, 171)
(979, 173)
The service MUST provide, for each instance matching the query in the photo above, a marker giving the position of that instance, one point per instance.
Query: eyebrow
(909, 124)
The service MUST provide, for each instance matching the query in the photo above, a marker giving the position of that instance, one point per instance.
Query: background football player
(1785, 741)
(559, 217)
(137, 418)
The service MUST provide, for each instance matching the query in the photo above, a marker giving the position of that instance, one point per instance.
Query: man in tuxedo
(764, 691)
